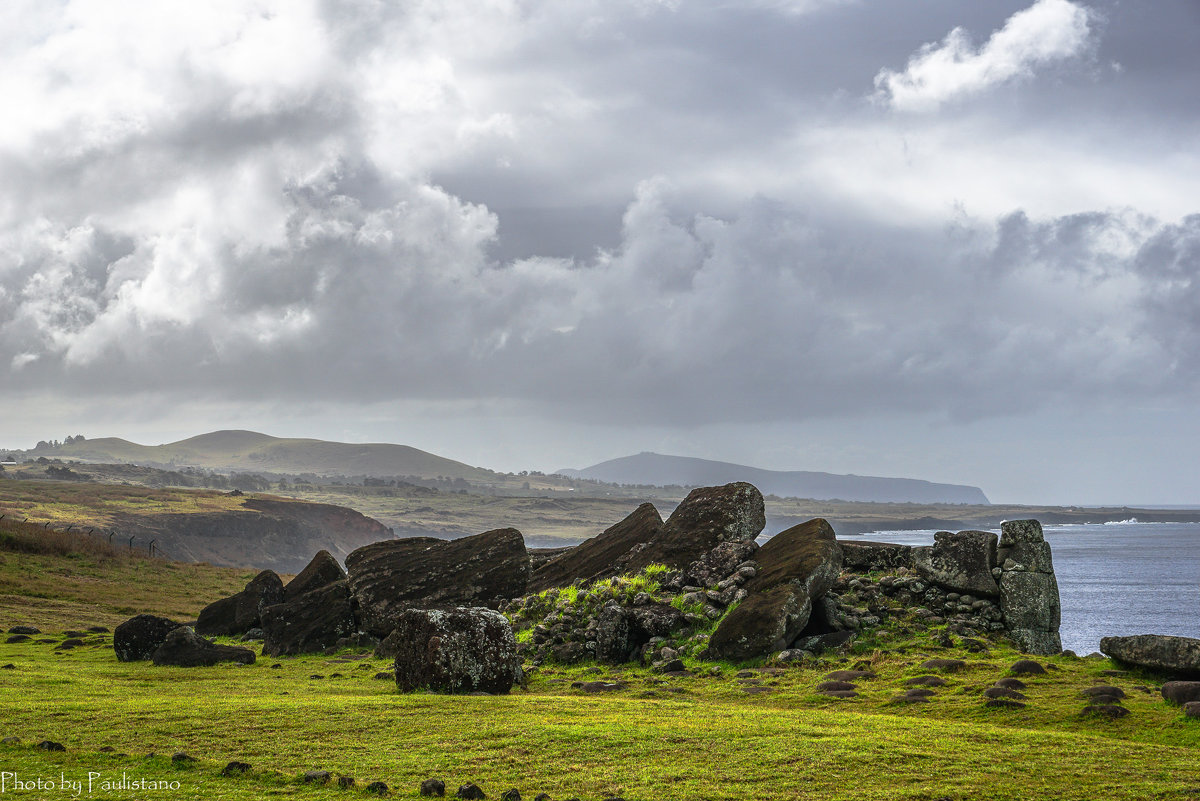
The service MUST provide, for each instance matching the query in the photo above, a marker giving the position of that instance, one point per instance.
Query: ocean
(1115, 578)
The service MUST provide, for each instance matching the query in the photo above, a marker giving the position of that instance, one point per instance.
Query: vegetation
(702, 736)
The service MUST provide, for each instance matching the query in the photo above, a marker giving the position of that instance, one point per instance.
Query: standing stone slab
(139, 637)
(322, 571)
(707, 517)
(309, 623)
(1029, 597)
(456, 651)
(387, 578)
(598, 557)
(239, 613)
(1176, 655)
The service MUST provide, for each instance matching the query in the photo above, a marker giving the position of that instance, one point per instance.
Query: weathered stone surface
(1032, 557)
(622, 631)
(1027, 667)
(322, 571)
(1175, 655)
(1036, 641)
(239, 613)
(433, 787)
(309, 623)
(1030, 601)
(24, 630)
(598, 557)
(387, 578)
(707, 517)
(183, 647)
(139, 637)
(961, 562)
(720, 562)
(459, 650)
(1018, 531)
(1181, 692)
(806, 559)
(865, 557)
(819, 643)
(765, 622)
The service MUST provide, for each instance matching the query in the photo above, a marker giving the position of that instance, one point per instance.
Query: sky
(948, 240)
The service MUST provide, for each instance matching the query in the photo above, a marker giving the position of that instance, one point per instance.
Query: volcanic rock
(183, 647)
(456, 651)
(707, 517)
(139, 637)
(322, 571)
(239, 613)
(309, 623)
(597, 558)
(1175, 655)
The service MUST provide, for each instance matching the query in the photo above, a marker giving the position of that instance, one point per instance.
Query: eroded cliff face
(276, 534)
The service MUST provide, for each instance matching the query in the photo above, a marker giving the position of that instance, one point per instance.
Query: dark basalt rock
(622, 631)
(379, 788)
(456, 651)
(183, 647)
(961, 562)
(139, 637)
(16, 638)
(511, 795)
(387, 578)
(838, 693)
(1029, 596)
(925, 681)
(824, 642)
(322, 571)
(316, 777)
(835, 685)
(50, 745)
(1003, 692)
(1181, 692)
(1174, 655)
(433, 788)
(944, 665)
(309, 623)
(719, 563)
(1103, 689)
(1110, 711)
(1004, 703)
(1012, 684)
(1192, 709)
(470, 791)
(866, 557)
(796, 566)
(25, 630)
(235, 767)
(239, 613)
(707, 517)
(597, 558)
(850, 675)
(1027, 667)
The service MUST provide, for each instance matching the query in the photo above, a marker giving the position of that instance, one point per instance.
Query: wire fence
(135, 543)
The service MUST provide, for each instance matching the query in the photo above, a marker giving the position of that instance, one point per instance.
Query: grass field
(660, 737)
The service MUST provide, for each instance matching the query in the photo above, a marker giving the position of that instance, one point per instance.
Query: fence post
(131, 539)
(110, 536)
(151, 547)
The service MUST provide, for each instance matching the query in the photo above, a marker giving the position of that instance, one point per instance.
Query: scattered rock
(470, 791)
(511, 795)
(944, 665)
(838, 693)
(1103, 689)
(1003, 692)
(597, 686)
(925, 681)
(239, 613)
(98, 629)
(316, 777)
(24, 630)
(183, 647)
(8, 666)
(309, 623)
(380, 788)
(850, 675)
(835, 685)
(50, 745)
(819, 643)
(456, 651)
(322, 571)
(1026, 667)
(16, 638)
(1192, 709)
(433, 787)
(234, 768)
(919, 692)
(11, 741)
(180, 758)
(139, 637)
(345, 782)
(1176, 655)
(387, 578)
(1004, 703)
(1181, 692)
(1011, 683)
(385, 675)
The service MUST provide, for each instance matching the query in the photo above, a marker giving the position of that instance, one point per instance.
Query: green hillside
(251, 451)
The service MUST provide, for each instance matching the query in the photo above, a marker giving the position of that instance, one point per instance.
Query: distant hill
(659, 470)
(251, 451)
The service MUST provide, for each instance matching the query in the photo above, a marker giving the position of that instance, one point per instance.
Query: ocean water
(1115, 578)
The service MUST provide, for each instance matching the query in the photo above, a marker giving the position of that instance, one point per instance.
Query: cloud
(1046, 32)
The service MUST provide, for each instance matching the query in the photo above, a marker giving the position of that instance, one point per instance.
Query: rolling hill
(659, 470)
(251, 451)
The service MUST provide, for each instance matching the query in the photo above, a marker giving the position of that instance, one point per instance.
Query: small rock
(838, 693)
(835, 685)
(1011, 683)
(386, 675)
(1103, 689)
(433, 787)
(945, 665)
(377, 788)
(919, 692)
(1110, 711)
(98, 629)
(1192, 709)
(1026, 667)
(235, 767)
(1003, 692)
(50, 745)
(597, 686)
(850, 675)
(24, 630)
(1004, 703)
(11, 741)
(542, 797)
(316, 777)
(1181, 692)
(180, 758)
(511, 795)
(16, 638)
(925, 681)
(9, 666)
(470, 791)
(108, 749)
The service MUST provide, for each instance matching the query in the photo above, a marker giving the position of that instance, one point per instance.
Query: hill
(659, 470)
(252, 451)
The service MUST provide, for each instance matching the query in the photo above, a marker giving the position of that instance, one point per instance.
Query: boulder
(866, 557)
(239, 613)
(707, 517)
(1029, 600)
(387, 578)
(796, 566)
(322, 571)
(719, 563)
(139, 637)
(183, 647)
(598, 557)
(456, 651)
(763, 623)
(1181, 692)
(310, 622)
(961, 562)
(622, 631)
(1175, 655)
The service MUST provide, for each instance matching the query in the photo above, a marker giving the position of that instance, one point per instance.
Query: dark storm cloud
(322, 213)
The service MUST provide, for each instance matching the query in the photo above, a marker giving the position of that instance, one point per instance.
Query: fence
(148, 545)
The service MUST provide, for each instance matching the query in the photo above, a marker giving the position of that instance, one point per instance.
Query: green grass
(660, 737)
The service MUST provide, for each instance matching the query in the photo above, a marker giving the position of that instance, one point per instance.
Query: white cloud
(1046, 32)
